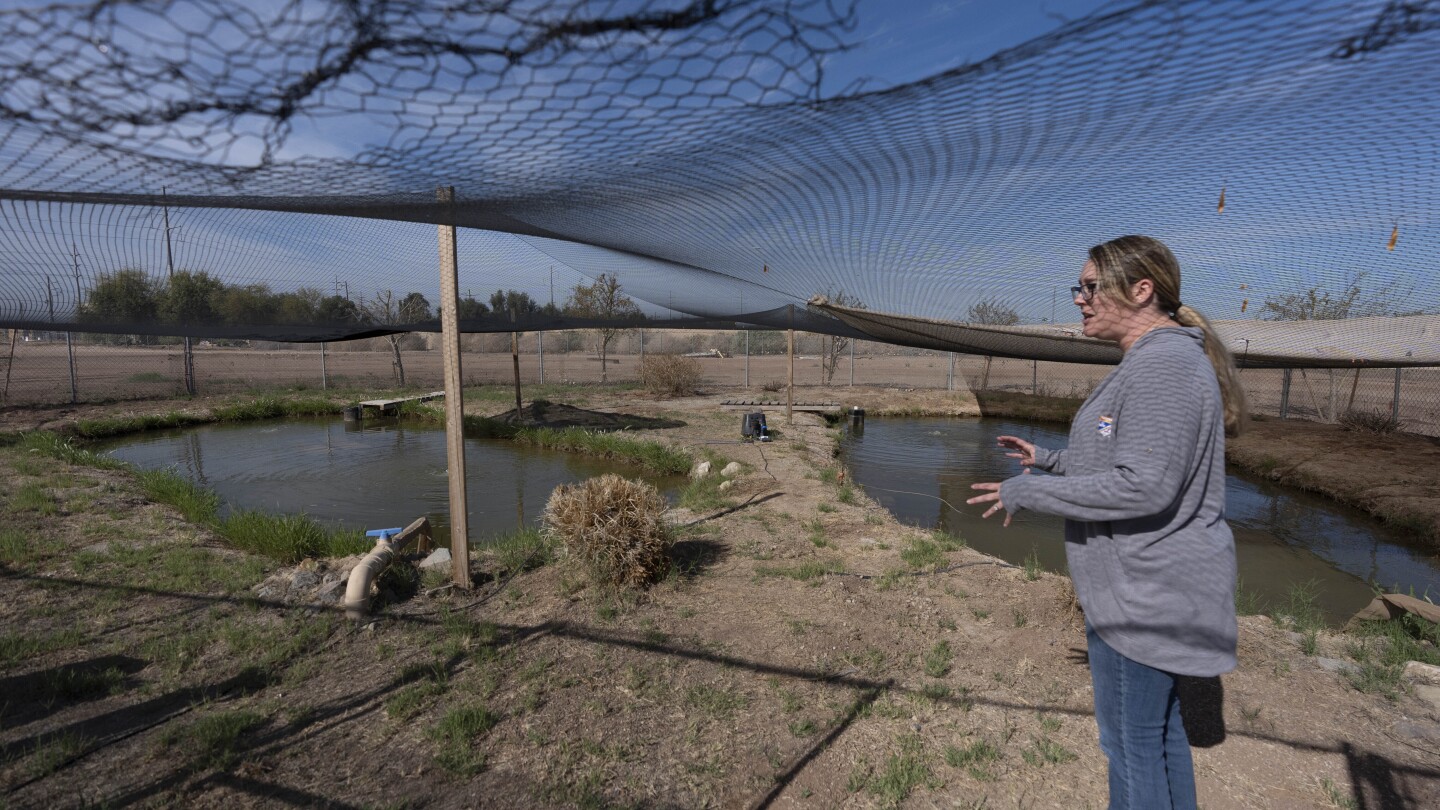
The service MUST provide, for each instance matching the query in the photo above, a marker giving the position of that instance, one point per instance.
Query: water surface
(921, 469)
(381, 475)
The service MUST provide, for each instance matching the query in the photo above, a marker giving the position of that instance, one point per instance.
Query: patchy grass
(51, 445)
(1032, 566)
(522, 550)
(213, 740)
(973, 758)
(1381, 649)
(804, 572)
(47, 757)
(902, 772)
(195, 503)
(717, 702)
(16, 647)
(34, 497)
(1046, 751)
(18, 547)
(456, 734)
(289, 538)
(937, 660)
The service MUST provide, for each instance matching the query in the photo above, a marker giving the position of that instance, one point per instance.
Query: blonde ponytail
(1232, 393)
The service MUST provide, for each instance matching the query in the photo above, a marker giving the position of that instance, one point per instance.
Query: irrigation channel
(368, 475)
(1284, 538)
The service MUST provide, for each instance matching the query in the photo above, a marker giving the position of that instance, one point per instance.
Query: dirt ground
(808, 651)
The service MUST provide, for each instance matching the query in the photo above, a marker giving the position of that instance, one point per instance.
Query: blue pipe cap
(384, 532)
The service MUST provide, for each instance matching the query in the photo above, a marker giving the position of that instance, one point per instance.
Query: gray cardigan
(1142, 491)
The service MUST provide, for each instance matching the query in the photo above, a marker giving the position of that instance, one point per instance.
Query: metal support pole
(1395, 402)
(1285, 394)
(324, 377)
(950, 380)
(1034, 377)
(540, 341)
(747, 358)
(454, 397)
(852, 362)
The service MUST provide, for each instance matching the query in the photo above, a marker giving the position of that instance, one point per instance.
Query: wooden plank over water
(807, 407)
(389, 404)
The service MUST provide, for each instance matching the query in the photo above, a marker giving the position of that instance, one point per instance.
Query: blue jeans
(1140, 732)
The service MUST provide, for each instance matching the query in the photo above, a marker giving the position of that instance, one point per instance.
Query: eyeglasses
(1085, 291)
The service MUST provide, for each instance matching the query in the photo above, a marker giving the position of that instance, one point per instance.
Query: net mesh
(206, 169)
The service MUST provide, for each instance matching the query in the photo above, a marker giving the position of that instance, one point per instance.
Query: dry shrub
(773, 385)
(614, 527)
(1368, 422)
(669, 374)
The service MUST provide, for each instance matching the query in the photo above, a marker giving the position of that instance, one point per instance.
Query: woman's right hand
(1025, 451)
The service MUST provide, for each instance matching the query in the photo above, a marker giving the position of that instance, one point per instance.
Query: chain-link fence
(47, 369)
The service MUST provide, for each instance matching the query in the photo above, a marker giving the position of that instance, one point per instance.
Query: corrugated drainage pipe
(389, 543)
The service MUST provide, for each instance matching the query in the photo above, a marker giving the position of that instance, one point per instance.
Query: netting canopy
(269, 171)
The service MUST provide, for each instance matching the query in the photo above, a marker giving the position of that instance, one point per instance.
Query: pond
(369, 475)
(921, 470)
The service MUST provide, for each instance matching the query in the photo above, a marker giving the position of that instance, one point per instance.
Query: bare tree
(992, 312)
(602, 300)
(386, 308)
(1321, 304)
(832, 347)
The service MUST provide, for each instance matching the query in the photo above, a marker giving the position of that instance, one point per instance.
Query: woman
(1142, 491)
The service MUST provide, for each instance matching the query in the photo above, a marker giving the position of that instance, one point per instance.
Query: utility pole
(188, 359)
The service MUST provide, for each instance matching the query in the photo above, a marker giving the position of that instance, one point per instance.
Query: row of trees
(193, 297)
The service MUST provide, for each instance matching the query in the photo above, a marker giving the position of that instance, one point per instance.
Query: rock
(1429, 694)
(701, 470)
(731, 470)
(1335, 665)
(1418, 673)
(725, 486)
(438, 558)
(331, 592)
(1418, 730)
(304, 579)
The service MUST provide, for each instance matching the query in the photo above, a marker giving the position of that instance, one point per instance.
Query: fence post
(1285, 395)
(324, 376)
(540, 342)
(454, 394)
(747, 358)
(950, 380)
(1395, 402)
(1034, 376)
(852, 362)
(70, 353)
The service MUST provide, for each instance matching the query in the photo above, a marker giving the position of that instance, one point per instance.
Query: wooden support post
(324, 377)
(454, 398)
(1395, 402)
(1350, 406)
(1285, 394)
(515, 358)
(790, 354)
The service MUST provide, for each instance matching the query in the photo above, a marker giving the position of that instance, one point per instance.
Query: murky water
(922, 469)
(381, 475)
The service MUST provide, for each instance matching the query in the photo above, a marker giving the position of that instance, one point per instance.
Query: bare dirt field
(39, 374)
(808, 651)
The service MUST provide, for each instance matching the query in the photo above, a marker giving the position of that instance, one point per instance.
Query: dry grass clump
(1368, 421)
(670, 374)
(614, 527)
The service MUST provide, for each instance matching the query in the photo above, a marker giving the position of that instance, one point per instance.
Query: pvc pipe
(364, 574)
